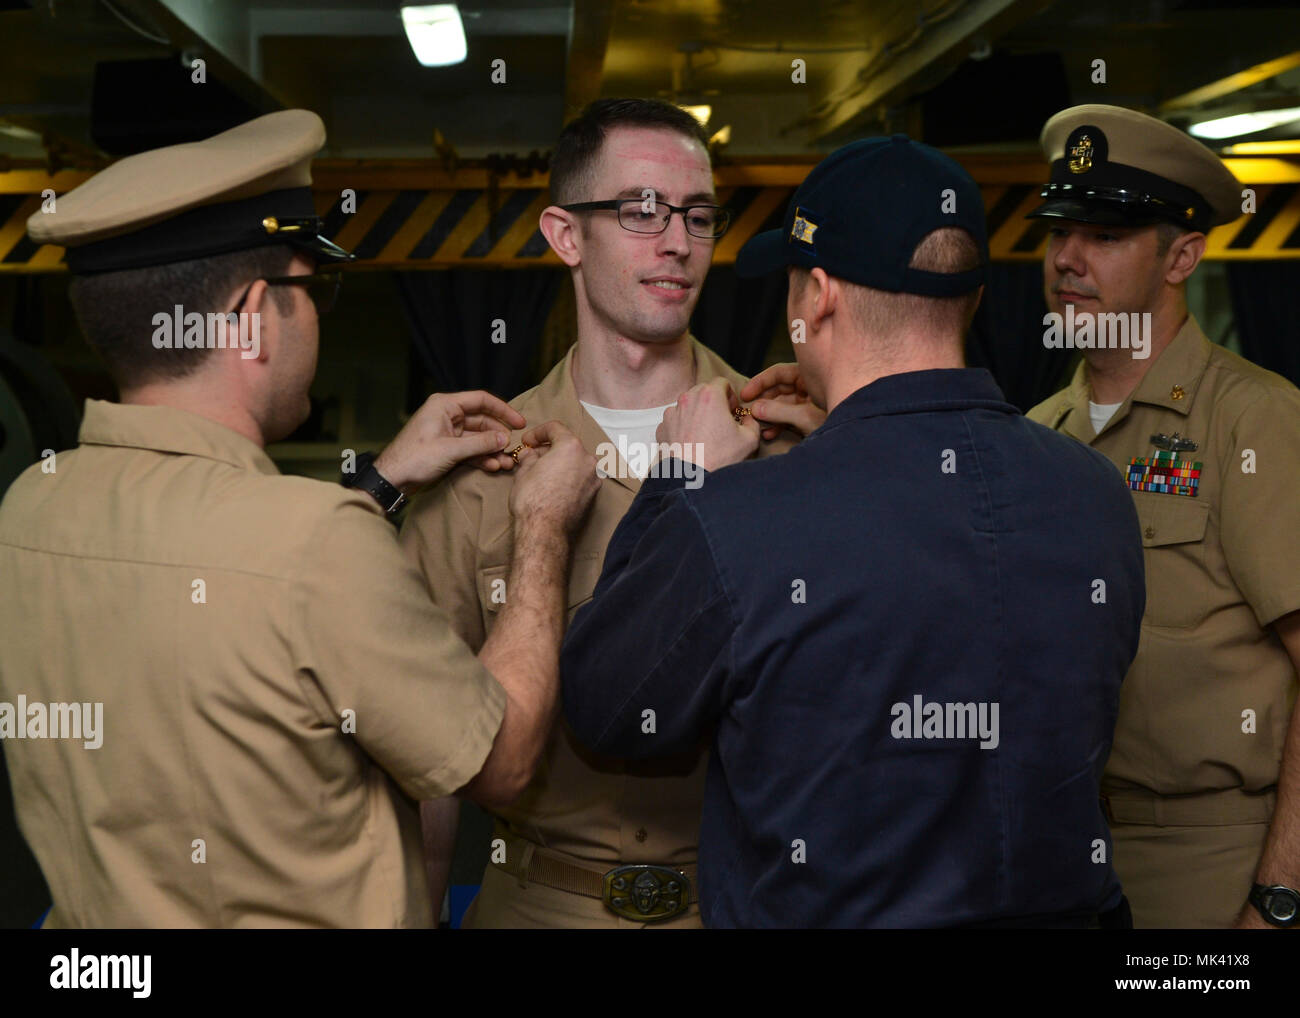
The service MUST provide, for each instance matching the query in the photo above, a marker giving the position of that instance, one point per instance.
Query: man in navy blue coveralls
(906, 636)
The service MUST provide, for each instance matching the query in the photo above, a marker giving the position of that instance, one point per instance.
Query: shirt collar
(1170, 382)
(1173, 379)
(169, 429)
(920, 392)
(558, 397)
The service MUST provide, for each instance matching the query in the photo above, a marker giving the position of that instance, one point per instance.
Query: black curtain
(1263, 304)
(1007, 335)
(452, 315)
(736, 318)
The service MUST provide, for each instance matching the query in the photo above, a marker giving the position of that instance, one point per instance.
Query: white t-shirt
(1101, 413)
(632, 432)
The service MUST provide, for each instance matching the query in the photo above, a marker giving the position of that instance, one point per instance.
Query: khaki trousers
(1189, 861)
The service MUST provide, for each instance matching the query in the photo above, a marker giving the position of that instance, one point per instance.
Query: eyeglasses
(707, 221)
(322, 288)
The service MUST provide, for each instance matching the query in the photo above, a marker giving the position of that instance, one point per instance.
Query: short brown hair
(1166, 234)
(580, 142)
(116, 309)
(884, 313)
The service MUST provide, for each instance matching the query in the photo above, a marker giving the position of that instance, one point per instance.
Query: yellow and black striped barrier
(420, 216)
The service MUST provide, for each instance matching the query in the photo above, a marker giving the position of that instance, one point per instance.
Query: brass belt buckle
(646, 893)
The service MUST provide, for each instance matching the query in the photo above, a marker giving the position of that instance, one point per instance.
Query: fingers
(804, 417)
(481, 447)
(782, 378)
(482, 443)
(493, 464)
(724, 388)
(484, 422)
(546, 434)
(480, 403)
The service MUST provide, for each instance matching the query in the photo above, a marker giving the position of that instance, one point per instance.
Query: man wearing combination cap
(1202, 789)
(907, 662)
(261, 685)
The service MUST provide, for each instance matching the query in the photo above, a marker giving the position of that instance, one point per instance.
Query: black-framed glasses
(707, 221)
(322, 288)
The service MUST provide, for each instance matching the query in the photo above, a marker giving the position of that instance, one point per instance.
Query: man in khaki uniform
(222, 690)
(1202, 788)
(637, 265)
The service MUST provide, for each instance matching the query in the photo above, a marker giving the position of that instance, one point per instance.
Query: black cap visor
(324, 250)
(1099, 213)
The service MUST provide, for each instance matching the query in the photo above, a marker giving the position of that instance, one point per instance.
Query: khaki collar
(1171, 382)
(557, 397)
(168, 429)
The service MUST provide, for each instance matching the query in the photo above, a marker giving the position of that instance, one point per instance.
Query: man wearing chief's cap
(273, 687)
(1204, 811)
(909, 690)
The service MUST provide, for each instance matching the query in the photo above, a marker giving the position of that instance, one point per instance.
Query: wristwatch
(391, 499)
(1279, 905)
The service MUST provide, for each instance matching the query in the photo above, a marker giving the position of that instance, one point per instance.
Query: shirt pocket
(493, 586)
(1173, 552)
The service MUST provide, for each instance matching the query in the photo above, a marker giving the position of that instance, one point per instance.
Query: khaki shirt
(265, 731)
(600, 809)
(1220, 566)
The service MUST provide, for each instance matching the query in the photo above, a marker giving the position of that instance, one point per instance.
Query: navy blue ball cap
(861, 212)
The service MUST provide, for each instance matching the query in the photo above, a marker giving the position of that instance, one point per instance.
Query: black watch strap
(391, 499)
(1278, 905)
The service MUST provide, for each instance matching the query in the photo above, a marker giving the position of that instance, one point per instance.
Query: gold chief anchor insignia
(1081, 155)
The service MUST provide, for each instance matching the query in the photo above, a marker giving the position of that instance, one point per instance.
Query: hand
(783, 401)
(556, 480)
(449, 428)
(702, 428)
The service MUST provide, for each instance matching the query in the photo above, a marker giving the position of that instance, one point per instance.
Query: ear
(561, 231)
(1184, 254)
(257, 295)
(255, 303)
(825, 296)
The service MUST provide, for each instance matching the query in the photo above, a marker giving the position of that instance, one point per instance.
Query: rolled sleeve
(645, 664)
(372, 642)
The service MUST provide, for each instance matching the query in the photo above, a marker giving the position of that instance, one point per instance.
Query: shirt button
(641, 834)
(1149, 532)
(1176, 392)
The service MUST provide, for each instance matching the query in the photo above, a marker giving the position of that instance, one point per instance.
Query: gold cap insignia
(1081, 155)
(803, 228)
